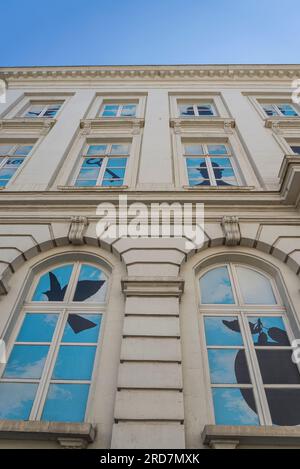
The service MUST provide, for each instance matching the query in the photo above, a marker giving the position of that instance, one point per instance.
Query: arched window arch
(55, 344)
(249, 355)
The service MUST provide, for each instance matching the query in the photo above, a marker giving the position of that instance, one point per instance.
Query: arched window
(50, 366)
(249, 355)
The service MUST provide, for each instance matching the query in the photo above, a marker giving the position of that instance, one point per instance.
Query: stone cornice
(192, 123)
(189, 72)
(100, 123)
(28, 124)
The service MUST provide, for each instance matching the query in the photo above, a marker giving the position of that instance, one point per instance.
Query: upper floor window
(43, 110)
(296, 149)
(119, 110)
(103, 165)
(11, 158)
(204, 109)
(51, 361)
(279, 109)
(253, 378)
(209, 165)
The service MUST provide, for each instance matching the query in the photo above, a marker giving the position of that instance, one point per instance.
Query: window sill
(92, 188)
(131, 123)
(221, 123)
(230, 437)
(278, 123)
(220, 188)
(28, 123)
(68, 435)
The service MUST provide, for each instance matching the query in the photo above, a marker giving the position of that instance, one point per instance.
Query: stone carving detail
(77, 229)
(231, 229)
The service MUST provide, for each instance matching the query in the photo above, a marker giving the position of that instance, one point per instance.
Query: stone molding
(280, 124)
(289, 177)
(188, 72)
(41, 124)
(152, 286)
(193, 123)
(77, 230)
(111, 123)
(231, 229)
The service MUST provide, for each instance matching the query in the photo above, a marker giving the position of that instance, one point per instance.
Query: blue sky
(107, 32)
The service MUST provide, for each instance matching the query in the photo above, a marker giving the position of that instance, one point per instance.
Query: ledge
(93, 188)
(218, 123)
(130, 123)
(27, 123)
(222, 436)
(278, 123)
(220, 188)
(152, 286)
(289, 178)
(66, 434)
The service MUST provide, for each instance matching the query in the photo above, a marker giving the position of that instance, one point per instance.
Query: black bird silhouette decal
(79, 324)
(56, 293)
(285, 414)
(84, 289)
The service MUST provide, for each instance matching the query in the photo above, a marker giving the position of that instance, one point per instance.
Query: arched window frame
(62, 308)
(242, 311)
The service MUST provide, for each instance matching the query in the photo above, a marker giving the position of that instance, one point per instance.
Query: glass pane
(74, 362)
(66, 403)
(235, 407)
(3, 182)
(284, 406)
(228, 366)
(37, 327)
(128, 110)
(224, 177)
(186, 110)
(276, 367)
(16, 400)
(23, 150)
(112, 182)
(270, 110)
(52, 110)
(34, 111)
(114, 173)
(117, 162)
(256, 288)
(215, 287)
(52, 285)
(222, 330)
(195, 162)
(82, 328)
(205, 110)
(91, 286)
(193, 149)
(120, 149)
(5, 149)
(268, 331)
(287, 110)
(7, 173)
(96, 150)
(92, 163)
(88, 173)
(86, 182)
(221, 162)
(217, 149)
(199, 182)
(26, 361)
(296, 149)
(110, 110)
(13, 162)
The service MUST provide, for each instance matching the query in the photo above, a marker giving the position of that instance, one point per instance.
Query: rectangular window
(43, 110)
(11, 158)
(119, 110)
(296, 149)
(279, 109)
(103, 165)
(209, 165)
(203, 109)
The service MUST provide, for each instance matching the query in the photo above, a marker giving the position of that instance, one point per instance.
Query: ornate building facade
(142, 342)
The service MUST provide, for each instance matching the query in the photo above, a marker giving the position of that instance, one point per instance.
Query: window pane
(52, 110)
(112, 182)
(92, 163)
(228, 366)
(110, 110)
(35, 110)
(276, 367)
(96, 150)
(82, 328)
(224, 177)
(270, 110)
(37, 327)
(215, 287)
(223, 330)
(114, 173)
(193, 149)
(91, 286)
(284, 406)
(86, 183)
(268, 331)
(16, 400)
(205, 110)
(117, 162)
(66, 403)
(256, 288)
(217, 149)
(287, 110)
(120, 149)
(5, 149)
(234, 407)
(7, 173)
(87, 173)
(74, 362)
(128, 110)
(23, 150)
(52, 285)
(26, 361)
(186, 110)
(295, 149)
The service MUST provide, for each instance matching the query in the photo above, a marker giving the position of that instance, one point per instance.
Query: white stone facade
(150, 388)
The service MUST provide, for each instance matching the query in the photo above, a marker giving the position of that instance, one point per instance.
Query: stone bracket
(77, 230)
(231, 230)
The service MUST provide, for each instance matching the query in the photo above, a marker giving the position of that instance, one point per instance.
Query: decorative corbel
(77, 229)
(85, 127)
(231, 230)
